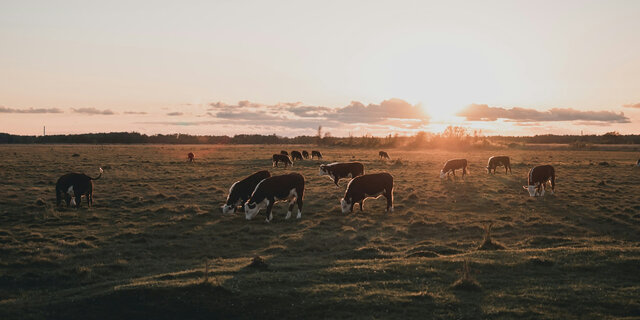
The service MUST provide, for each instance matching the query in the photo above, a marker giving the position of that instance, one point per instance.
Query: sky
(286, 67)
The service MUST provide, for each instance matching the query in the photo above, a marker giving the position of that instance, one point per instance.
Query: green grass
(141, 251)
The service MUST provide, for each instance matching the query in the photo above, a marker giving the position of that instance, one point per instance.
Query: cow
(271, 190)
(451, 166)
(295, 155)
(538, 178)
(191, 157)
(496, 161)
(241, 190)
(315, 153)
(339, 170)
(638, 163)
(368, 186)
(72, 186)
(383, 155)
(284, 152)
(305, 154)
(281, 158)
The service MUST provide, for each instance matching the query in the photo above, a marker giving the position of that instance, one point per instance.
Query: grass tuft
(488, 243)
(466, 281)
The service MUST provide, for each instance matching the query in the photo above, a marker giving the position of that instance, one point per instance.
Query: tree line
(453, 136)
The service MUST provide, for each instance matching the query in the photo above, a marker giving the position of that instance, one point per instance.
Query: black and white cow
(241, 190)
(538, 178)
(496, 161)
(284, 152)
(72, 186)
(277, 188)
(295, 155)
(281, 158)
(383, 155)
(339, 170)
(368, 186)
(305, 154)
(315, 153)
(451, 166)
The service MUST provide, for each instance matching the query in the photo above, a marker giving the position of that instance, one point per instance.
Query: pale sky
(285, 67)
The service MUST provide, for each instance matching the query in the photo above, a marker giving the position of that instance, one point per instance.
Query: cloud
(30, 110)
(482, 112)
(387, 112)
(173, 114)
(636, 105)
(135, 112)
(92, 111)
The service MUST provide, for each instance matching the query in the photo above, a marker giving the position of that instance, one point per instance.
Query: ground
(156, 245)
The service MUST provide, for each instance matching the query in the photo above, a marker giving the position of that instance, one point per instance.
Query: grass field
(155, 245)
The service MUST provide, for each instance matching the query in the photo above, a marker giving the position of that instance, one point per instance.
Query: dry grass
(156, 245)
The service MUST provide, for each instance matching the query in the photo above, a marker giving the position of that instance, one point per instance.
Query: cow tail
(98, 177)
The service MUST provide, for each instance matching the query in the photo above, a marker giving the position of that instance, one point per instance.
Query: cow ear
(525, 187)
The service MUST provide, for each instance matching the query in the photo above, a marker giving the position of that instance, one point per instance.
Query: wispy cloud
(93, 111)
(482, 112)
(30, 110)
(634, 105)
(135, 112)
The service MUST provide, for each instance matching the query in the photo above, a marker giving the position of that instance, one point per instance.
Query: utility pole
(44, 131)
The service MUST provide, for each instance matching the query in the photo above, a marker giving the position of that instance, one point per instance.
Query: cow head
(488, 169)
(346, 206)
(442, 174)
(251, 208)
(323, 170)
(533, 190)
(230, 208)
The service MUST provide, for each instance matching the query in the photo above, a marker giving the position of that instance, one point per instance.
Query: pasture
(155, 244)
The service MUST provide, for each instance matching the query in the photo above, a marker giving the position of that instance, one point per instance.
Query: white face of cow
(252, 209)
(442, 174)
(531, 189)
(228, 208)
(323, 171)
(345, 206)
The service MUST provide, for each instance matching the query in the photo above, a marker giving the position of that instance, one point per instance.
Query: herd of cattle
(261, 190)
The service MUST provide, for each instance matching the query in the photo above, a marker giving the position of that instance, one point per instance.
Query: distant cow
(284, 152)
(496, 161)
(538, 178)
(241, 190)
(638, 163)
(368, 186)
(383, 155)
(191, 157)
(281, 158)
(316, 154)
(451, 166)
(305, 154)
(72, 186)
(278, 188)
(339, 170)
(295, 155)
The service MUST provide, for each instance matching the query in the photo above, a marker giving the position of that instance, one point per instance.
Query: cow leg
(299, 201)
(269, 208)
(275, 163)
(291, 204)
(389, 196)
(88, 195)
(361, 203)
(335, 180)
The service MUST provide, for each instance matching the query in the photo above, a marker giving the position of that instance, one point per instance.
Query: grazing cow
(339, 170)
(496, 161)
(383, 155)
(538, 177)
(191, 157)
(72, 186)
(638, 163)
(284, 152)
(241, 190)
(295, 155)
(305, 154)
(315, 153)
(271, 190)
(368, 186)
(281, 158)
(452, 165)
